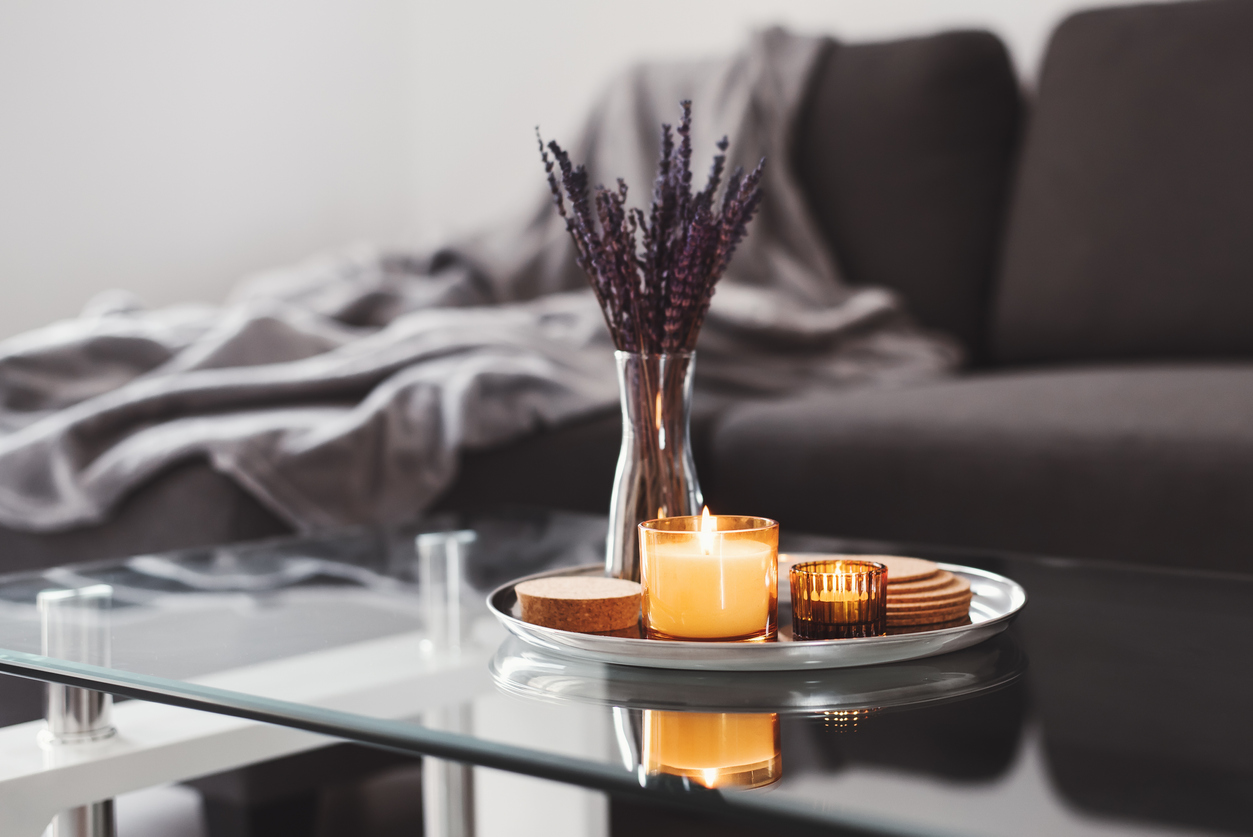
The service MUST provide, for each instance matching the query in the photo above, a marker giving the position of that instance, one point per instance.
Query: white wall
(169, 148)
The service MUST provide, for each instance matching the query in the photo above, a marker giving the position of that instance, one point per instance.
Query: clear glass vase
(656, 474)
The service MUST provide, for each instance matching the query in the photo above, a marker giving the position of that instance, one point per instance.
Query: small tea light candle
(838, 599)
(710, 578)
(714, 749)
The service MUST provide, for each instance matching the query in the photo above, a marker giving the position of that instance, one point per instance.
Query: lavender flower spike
(655, 298)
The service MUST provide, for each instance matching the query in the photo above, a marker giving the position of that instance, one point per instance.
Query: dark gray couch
(1110, 410)
(1094, 257)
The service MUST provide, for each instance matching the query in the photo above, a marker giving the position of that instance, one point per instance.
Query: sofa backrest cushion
(904, 150)
(1131, 228)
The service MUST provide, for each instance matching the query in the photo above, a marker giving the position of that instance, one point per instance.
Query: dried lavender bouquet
(655, 296)
(654, 293)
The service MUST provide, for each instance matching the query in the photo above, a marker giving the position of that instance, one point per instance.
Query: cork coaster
(955, 586)
(934, 626)
(929, 617)
(940, 579)
(960, 598)
(585, 604)
(902, 569)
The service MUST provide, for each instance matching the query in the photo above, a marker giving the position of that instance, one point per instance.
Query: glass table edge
(416, 740)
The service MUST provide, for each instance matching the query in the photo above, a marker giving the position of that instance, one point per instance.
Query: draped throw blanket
(341, 390)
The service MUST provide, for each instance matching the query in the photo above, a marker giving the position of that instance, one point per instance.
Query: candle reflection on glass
(714, 749)
(710, 578)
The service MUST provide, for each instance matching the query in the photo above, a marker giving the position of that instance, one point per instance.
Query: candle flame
(708, 525)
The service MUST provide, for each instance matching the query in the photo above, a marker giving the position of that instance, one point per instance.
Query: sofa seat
(1148, 464)
(569, 467)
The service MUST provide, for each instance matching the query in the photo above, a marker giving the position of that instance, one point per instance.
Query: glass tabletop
(1117, 703)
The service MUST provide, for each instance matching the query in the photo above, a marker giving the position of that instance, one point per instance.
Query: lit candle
(710, 578)
(838, 599)
(714, 749)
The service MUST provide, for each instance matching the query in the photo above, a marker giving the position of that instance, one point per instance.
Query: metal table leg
(75, 627)
(447, 787)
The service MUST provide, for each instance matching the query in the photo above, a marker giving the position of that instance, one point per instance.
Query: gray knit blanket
(341, 390)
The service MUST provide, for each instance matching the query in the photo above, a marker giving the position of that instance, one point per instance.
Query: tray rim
(763, 656)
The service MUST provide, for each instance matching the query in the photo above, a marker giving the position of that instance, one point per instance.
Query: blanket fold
(341, 390)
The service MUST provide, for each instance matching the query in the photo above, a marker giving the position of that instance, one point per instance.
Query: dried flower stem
(655, 298)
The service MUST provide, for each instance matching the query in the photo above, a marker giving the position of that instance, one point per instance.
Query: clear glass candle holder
(711, 579)
(714, 749)
(838, 599)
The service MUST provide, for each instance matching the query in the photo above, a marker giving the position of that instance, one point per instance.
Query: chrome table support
(75, 627)
(447, 787)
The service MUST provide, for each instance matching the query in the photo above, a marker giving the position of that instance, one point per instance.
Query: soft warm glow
(708, 525)
(710, 578)
(713, 749)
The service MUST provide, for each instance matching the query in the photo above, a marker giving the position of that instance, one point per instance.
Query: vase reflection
(714, 749)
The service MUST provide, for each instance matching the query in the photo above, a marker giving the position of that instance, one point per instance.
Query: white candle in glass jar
(710, 585)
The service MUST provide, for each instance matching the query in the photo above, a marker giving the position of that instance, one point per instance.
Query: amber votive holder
(838, 598)
(712, 579)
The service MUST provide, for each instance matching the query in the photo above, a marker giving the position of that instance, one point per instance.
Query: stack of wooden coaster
(921, 596)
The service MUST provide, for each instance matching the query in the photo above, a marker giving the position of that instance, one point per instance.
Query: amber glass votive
(714, 749)
(838, 599)
(710, 578)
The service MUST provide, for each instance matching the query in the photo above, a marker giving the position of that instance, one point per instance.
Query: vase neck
(656, 475)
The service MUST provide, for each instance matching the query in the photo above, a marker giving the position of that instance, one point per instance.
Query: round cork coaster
(586, 604)
(940, 579)
(932, 604)
(902, 569)
(955, 586)
(928, 617)
(933, 626)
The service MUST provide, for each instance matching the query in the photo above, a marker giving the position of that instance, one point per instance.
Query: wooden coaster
(585, 604)
(900, 568)
(955, 586)
(935, 626)
(927, 617)
(940, 579)
(945, 603)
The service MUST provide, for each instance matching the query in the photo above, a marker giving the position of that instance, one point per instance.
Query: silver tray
(995, 603)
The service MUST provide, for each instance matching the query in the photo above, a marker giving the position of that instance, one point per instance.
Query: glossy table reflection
(1094, 714)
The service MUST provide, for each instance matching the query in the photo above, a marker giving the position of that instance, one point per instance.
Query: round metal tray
(996, 601)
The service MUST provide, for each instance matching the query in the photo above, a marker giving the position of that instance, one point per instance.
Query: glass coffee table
(1118, 702)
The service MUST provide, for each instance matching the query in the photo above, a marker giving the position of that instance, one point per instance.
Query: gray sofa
(1094, 256)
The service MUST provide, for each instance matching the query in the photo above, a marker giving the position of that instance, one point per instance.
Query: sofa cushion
(1131, 231)
(904, 150)
(570, 467)
(1151, 465)
(187, 505)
